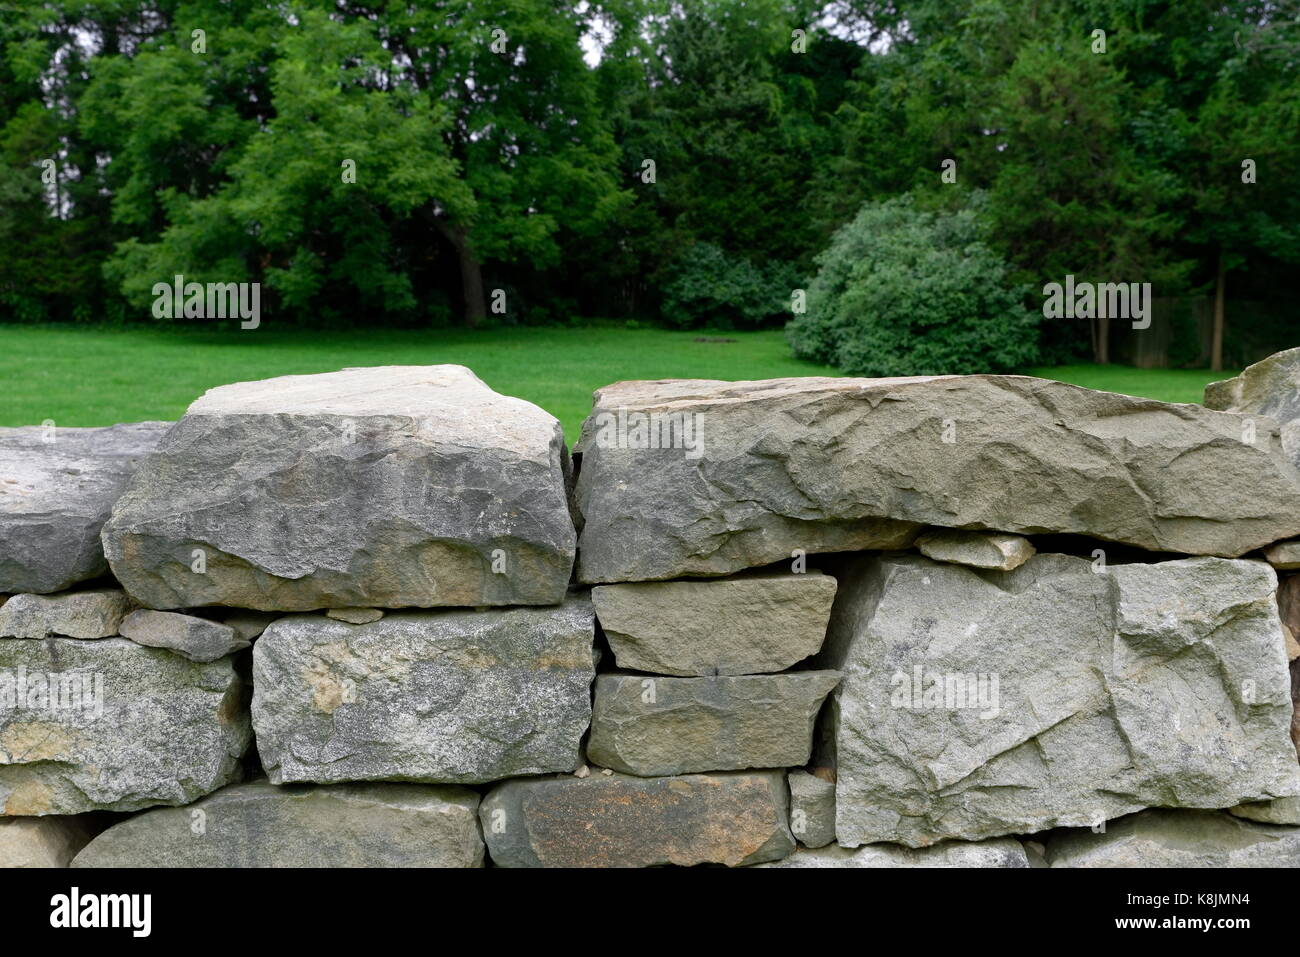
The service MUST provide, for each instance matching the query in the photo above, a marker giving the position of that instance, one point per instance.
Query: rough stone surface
(841, 464)
(40, 841)
(1271, 387)
(1281, 811)
(126, 726)
(732, 626)
(90, 614)
(355, 616)
(994, 550)
(196, 638)
(1146, 685)
(998, 852)
(340, 825)
(1283, 555)
(1167, 838)
(55, 497)
(613, 820)
(448, 697)
(812, 808)
(664, 726)
(399, 486)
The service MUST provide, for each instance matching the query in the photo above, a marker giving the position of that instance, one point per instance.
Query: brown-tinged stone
(614, 820)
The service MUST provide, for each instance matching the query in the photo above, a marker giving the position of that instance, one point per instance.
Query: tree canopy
(460, 161)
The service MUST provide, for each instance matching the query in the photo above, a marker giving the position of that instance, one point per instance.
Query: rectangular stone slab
(831, 465)
(751, 624)
(55, 497)
(398, 486)
(439, 696)
(112, 725)
(339, 825)
(613, 820)
(1136, 686)
(651, 726)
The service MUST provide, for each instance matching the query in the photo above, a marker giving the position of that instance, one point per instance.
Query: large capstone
(613, 820)
(57, 487)
(439, 696)
(1163, 838)
(339, 825)
(1271, 387)
(660, 726)
(691, 477)
(113, 725)
(399, 486)
(747, 625)
(1063, 693)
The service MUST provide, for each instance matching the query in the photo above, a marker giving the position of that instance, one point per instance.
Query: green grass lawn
(98, 376)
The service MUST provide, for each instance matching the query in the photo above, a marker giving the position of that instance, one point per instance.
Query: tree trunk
(1216, 340)
(1103, 340)
(471, 273)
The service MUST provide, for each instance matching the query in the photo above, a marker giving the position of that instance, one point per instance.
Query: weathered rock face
(196, 638)
(90, 614)
(993, 550)
(980, 703)
(1270, 387)
(55, 497)
(998, 852)
(732, 626)
(1163, 838)
(447, 697)
(112, 725)
(844, 464)
(342, 825)
(662, 726)
(812, 808)
(619, 821)
(1283, 555)
(397, 486)
(40, 841)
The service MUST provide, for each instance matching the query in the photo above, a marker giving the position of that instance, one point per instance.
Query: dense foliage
(905, 291)
(385, 162)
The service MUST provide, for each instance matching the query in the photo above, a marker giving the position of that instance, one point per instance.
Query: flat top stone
(388, 487)
(468, 412)
(810, 463)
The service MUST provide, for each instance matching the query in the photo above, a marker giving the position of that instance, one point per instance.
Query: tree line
(690, 162)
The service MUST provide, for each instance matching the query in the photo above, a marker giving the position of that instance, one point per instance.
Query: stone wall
(386, 617)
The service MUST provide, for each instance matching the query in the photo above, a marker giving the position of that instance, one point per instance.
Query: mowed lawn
(81, 376)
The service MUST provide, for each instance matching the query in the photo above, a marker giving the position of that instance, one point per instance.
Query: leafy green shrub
(708, 286)
(905, 291)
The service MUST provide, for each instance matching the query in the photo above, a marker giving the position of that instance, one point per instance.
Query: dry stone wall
(383, 617)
